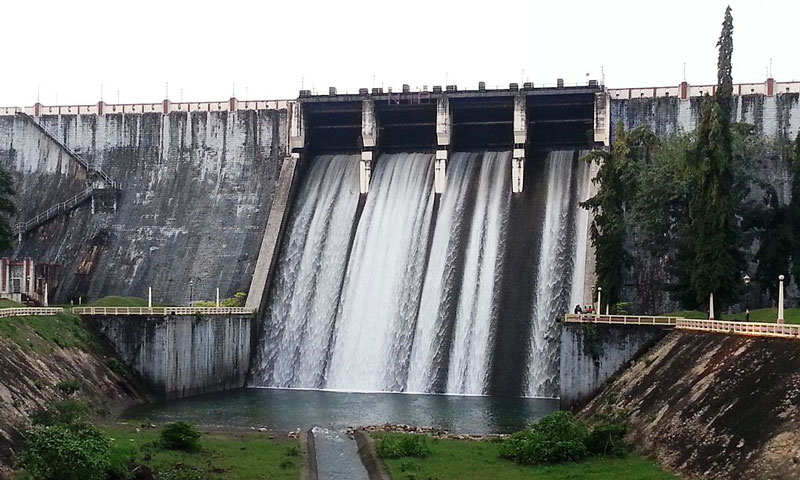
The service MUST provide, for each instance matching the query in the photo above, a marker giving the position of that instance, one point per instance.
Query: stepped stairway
(98, 180)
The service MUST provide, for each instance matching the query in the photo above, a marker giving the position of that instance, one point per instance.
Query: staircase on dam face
(99, 181)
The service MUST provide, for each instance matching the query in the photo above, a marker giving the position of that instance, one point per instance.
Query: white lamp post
(780, 299)
(149, 297)
(711, 306)
(599, 303)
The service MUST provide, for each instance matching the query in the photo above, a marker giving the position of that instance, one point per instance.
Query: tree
(776, 233)
(794, 209)
(7, 210)
(607, 231)
(710, 260)
(67, 452)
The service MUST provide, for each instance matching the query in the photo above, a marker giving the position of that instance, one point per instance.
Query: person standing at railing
(578, 309)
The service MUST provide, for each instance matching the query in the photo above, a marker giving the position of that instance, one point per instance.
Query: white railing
(718, 326)
(623, 319)
(163, 311)
(27, 311)
(51, 212)
(741, 328)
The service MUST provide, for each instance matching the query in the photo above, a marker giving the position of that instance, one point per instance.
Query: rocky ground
(712, 406)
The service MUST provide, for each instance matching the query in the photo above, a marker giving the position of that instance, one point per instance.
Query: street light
(599, 303)
(746, 279)
(191, 292)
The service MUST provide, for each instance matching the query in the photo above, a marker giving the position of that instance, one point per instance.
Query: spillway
(407, 296)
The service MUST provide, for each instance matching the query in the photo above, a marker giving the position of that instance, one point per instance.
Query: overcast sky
(270, 49)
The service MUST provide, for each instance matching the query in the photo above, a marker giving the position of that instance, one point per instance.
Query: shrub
(293, 451)
(121, 458)
(116, 366)
(404, 446)
(182, 472)
(67, 412)
(62, 452)
(558, 437)
(69, 386)
(180, 436)
(607, 439)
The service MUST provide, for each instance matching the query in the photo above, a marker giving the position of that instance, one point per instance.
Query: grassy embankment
(222, 456)
(763, 315)
(479, 460)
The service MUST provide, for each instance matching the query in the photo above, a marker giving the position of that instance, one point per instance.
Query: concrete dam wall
(181, 356)
(196, 191)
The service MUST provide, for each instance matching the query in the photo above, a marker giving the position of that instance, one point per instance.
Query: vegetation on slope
(44, 333)
(115, 301)
(761, 315)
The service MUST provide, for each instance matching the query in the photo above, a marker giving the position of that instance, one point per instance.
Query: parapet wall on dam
(196, 191)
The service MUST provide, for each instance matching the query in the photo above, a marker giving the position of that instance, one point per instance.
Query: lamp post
(191, 292)
(780, 299)
(711, 306)
(599, 303)
(747, 298)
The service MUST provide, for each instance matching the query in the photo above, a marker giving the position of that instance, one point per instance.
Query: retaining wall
(181, 356)
(593, 353)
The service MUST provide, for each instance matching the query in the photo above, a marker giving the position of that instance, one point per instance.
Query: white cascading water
(404, 304)
(308, 278)
(383, 284)
(555, 273)
(459, 299)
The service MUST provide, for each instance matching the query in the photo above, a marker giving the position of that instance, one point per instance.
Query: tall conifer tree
(7, 210)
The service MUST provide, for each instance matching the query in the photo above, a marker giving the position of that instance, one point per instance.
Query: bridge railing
(622, 319)
(163, 311)
(741, 328)
(29, 311)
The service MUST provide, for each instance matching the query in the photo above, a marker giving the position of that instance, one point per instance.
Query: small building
(25, 281)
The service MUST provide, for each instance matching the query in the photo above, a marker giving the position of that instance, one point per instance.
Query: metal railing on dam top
(163, 311)
(30, 311)
(717, 326)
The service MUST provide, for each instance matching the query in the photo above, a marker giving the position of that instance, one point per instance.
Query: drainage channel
(337, 456)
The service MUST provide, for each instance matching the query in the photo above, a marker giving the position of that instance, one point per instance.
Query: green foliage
(116, 366)
(69, 386)
(238, 300)
(67, 412)
(46, 333)
(794, 209)
(776, 234)
(7, 210)
(182, 472)
(558, 437)
(61, 452)
(724, 93)
(117, 301)
(404, 446)
(180, 436)
(293, 451)
(607, 439)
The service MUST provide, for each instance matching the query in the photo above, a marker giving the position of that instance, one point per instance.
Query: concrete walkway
(337, 456)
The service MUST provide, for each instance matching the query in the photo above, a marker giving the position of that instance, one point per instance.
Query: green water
(292, 409)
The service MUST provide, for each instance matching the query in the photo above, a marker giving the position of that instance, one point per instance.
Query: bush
(116, 366)
(67, 412)
(62, 452)
(607, 439)
(180, 436)
(69, 386)
(404, 446)
(182, 472)
(558, 437)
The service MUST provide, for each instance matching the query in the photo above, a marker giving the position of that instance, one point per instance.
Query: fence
(623, 319)
(163, 311)
(23, 312)
(717, 326)
(741, 328)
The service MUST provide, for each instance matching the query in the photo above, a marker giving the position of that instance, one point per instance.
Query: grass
(764, 315)
(230, 456)
(115, 301)
(472, 460)
(44, 333)
(6, 303)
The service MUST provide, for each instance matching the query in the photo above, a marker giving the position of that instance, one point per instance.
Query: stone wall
(712, 405)
(196, 191)
(593, 353)
(180, 356)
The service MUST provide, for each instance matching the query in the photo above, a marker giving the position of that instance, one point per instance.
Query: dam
(392, 241)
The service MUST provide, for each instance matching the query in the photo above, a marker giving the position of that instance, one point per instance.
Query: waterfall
(409, 295)
(556, 272)
(459, 299)
(307, 282)
(383, 284)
